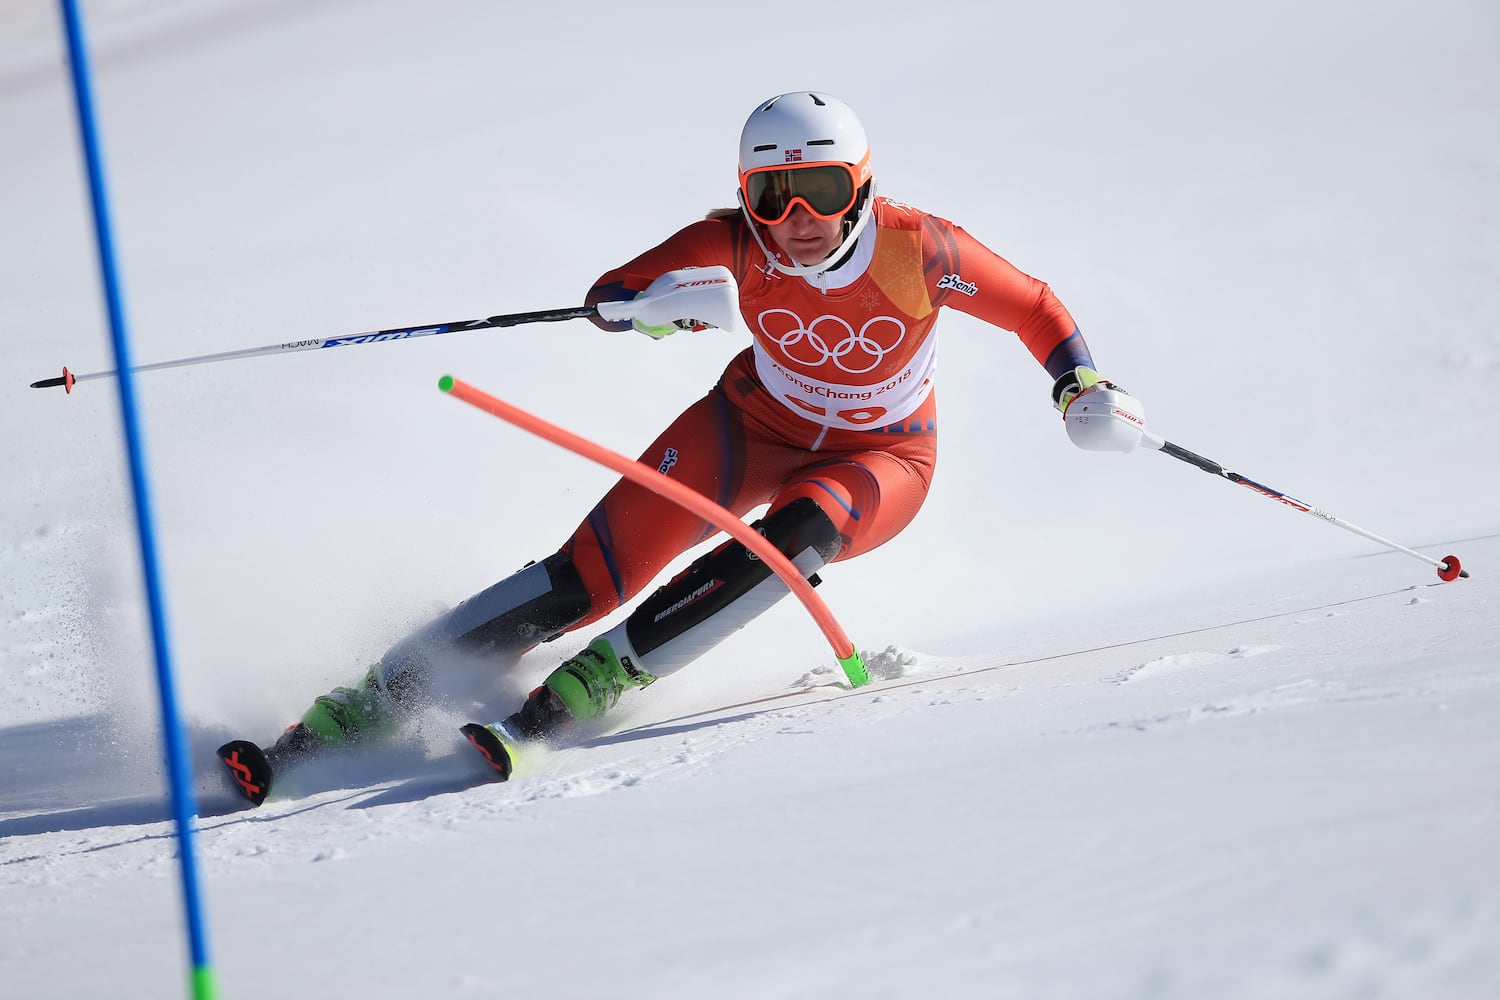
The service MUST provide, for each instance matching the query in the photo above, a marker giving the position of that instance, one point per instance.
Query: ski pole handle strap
(1072, 384)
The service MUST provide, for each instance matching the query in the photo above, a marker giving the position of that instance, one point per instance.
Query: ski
(252, 769)
(249, 768)
(495, 745)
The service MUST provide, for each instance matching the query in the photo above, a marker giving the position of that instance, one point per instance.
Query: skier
(828, 416)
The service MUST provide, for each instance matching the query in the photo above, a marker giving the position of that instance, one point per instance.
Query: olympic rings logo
(808, 344)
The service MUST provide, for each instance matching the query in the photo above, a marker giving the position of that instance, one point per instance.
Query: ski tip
(494, 750)
(248, 768)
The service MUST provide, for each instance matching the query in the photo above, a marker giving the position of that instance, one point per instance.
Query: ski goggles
(827, 190)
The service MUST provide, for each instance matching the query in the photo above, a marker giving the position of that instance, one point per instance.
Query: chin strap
(803, 270)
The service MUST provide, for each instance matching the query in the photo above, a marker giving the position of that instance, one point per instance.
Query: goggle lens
(826, 190)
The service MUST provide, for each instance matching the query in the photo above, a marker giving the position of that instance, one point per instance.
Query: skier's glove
(1098, 415)
(708, 293)
(1074, 383)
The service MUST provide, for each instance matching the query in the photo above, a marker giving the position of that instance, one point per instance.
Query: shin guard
(723, 591)
(533, 605)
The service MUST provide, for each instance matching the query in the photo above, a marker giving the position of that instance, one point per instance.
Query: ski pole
(1448, 567)
(708, 293)
(67, 378)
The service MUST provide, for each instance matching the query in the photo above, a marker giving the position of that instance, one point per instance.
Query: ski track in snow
(447, 785)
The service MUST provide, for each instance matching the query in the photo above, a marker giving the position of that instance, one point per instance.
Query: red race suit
(832, 400)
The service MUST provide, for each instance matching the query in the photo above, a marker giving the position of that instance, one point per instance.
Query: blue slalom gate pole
(184, 805)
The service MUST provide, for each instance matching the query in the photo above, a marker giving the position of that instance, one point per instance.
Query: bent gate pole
(844, 651)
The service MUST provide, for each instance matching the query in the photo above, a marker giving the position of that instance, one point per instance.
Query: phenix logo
(958, 284)
(667, 461)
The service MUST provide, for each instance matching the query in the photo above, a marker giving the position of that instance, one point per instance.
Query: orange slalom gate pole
(844, 651)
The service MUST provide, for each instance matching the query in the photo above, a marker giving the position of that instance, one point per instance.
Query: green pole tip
(854, 668)
(204, 986)
(446, 383)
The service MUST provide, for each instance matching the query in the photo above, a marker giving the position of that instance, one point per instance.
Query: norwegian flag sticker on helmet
(794, 156)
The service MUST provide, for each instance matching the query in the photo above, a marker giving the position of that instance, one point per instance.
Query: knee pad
(799, 526)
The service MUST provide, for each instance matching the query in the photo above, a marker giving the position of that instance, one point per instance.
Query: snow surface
(1139, 733)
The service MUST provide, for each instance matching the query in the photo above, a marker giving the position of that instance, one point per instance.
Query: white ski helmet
(806, 130)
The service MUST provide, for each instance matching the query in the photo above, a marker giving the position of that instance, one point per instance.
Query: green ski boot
(343, 715)
(591, 683)
(584, 687)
